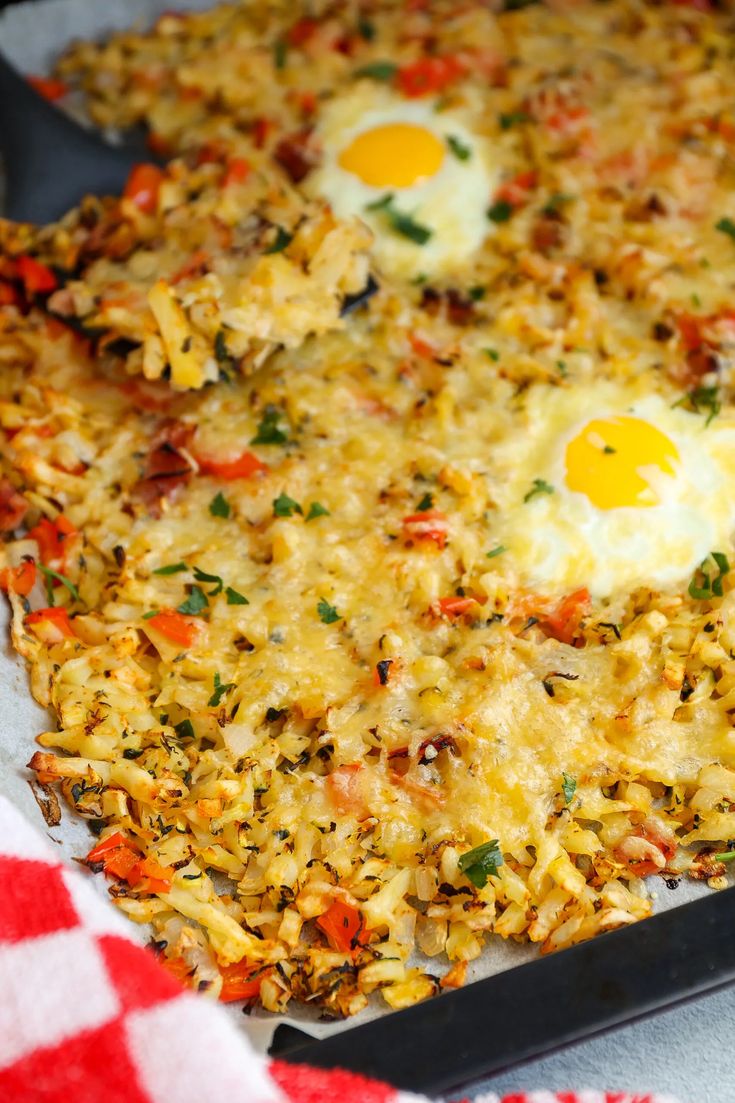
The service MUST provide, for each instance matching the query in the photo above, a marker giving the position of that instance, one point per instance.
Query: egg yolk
(396, 155)
(608, 460)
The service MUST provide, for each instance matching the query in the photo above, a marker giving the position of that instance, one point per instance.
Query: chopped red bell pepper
(429, 75)
(52, 538)
(241, 981)
(57, 617)
(13, 506)
(237, 171)
(9, 295)
(143, 186)
(152, 876)
(175, 626)
(431, 524)
(37, 278)
(244, 467)
(50, 88)
(302, 31)
(565, 621)
(344, 927)
(455, 606)
(19, 580)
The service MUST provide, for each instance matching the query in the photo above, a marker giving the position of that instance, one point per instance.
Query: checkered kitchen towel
(88, 1016)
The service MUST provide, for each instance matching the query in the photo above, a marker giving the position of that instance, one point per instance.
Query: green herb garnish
(493, 354)
(568, 787)
(220, 689)
(202, 576)
(49, 575)
(283, 506)
(184, 729)
(235, 598)
(366, 29)
(316, 509)
(280, 52)
(703, 585)
(150, 613)
(511, 118)
(481, 863)
(500, 211)
(282, 239)
(427, 502)
(219, 506)
(496, 551)
(461, 151)
(172, 568)
(327, 613)
(400, 221)
(221, 353)
(706, 398)
(540, 486)
(195, 603)
(378, 70)
(268, 431)
(726, 226)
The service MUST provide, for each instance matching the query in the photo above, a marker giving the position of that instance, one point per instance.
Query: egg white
(452, 203)
(560, 541)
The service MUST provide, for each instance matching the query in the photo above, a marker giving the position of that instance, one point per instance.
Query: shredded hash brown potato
(319, 719)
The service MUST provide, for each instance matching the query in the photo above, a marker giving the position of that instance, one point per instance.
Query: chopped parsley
(195, 603)
(378, 70)
(220, 689)
(509, 119)
(151, 613)
(561, 367)
(172, 568)
(555, 201)
(493, 354)
(281, 240)
(461, 151)
(219, 506)
(49, 575)
(316, 509)
(481, 863)
(366, 29)
(400, 221)
(202, 576)
(706, 398)
(280, 52)
(496, 551)
(540, 486)
(283, 506)
(726, 226)
(703, 585)
(608, 450)
(478, 293)
(568, 787)
(268, 431)
(427, 502)
(185, 729)
(235, 598)
(500, 211)
(327, 613)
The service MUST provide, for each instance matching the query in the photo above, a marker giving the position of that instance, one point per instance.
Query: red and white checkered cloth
(89, 1016)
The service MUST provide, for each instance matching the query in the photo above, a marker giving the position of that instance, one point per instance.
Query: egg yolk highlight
(609, 458)
(396, 155)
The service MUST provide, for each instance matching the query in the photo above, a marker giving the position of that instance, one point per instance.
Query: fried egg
(611, 492)
(421, 179)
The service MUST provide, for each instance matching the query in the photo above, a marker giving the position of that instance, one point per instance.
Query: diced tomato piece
(13, 506)
(241, 981)
(431, 524)
(143, 185)
(237, 171)
(455, 606)
(19, 580)
(429, 75)
(153, 877)
(9, 295)
(53, 538)
(244, 467)
(52, 625)
(517, 191)
(344, 927)
(302, 31)
(37, 278)
(49, 87)
(175, 627)
(564, 622)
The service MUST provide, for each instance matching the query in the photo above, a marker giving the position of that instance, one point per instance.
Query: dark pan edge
(533, 1009)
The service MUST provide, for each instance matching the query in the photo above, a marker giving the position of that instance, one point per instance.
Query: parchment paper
(32, 35)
